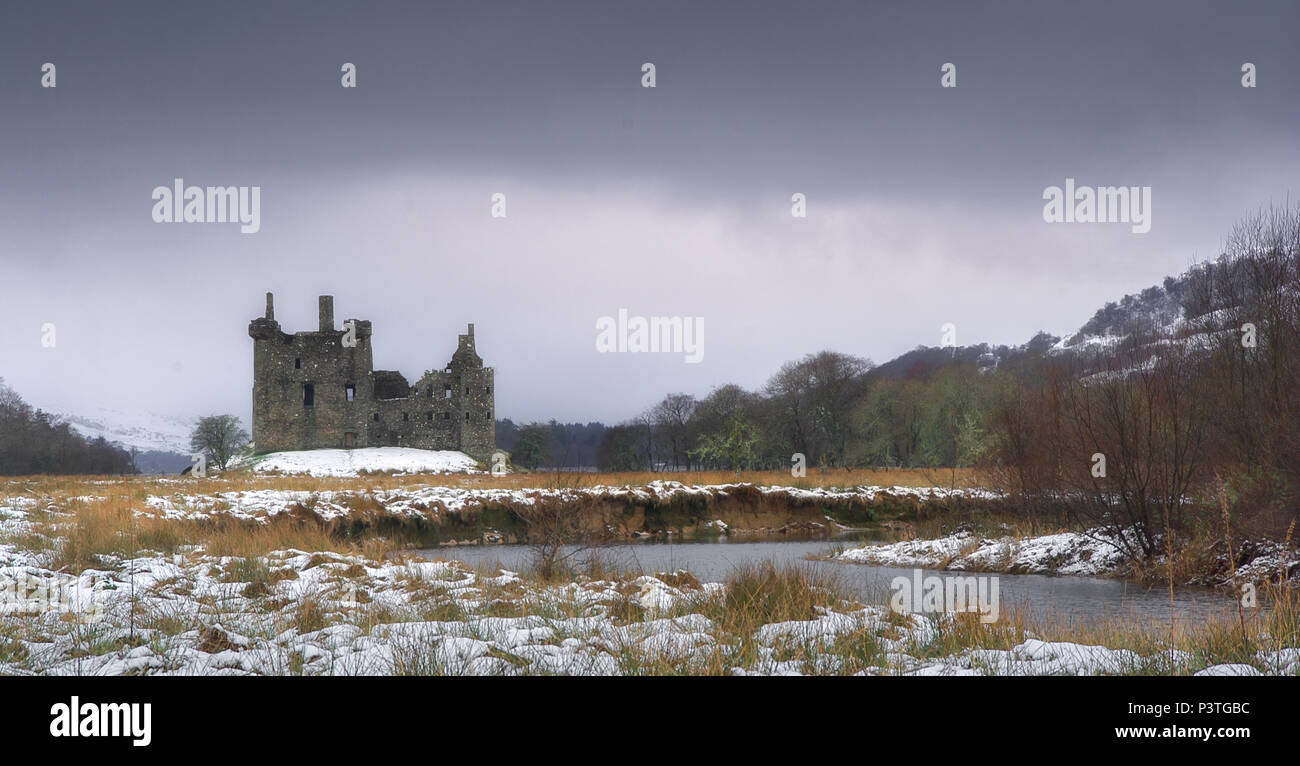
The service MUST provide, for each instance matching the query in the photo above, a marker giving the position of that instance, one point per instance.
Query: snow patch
(354, 462)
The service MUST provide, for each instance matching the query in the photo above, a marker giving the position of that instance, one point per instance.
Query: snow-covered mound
(1087, 554)
(353, 462)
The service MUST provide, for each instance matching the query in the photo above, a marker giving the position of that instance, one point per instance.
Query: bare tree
(559, 532)
(814, 399)
(1147, 418)
(837, 383)
(672, 423)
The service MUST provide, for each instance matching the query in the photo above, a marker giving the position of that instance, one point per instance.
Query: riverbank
(1094, 553)
(293, 612)
(470, 515)
(442, 511)
(199, 577)
(321, 611)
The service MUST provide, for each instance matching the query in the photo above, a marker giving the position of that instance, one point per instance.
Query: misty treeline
(34, 442)
(1183, 396)
(550, 445)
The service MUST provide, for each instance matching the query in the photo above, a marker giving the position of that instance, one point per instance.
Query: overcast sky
(924, 203)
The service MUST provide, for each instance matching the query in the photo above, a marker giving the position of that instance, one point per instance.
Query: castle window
(308, 395)
(376, 417)
(351, 391)
(446, 416)
(406, 416)
(487, 389)
(466, 417)
(446, 394)
(428, 391)
(430, 414)
(297, 363)
(466, 390)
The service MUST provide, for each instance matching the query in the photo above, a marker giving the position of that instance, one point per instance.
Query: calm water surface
(1067, 599)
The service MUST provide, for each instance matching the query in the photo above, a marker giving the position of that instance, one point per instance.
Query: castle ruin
(315, 390)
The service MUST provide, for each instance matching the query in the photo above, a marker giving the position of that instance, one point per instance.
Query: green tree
(733, 448)
(532, 446)
(218, 438)
(617, 451)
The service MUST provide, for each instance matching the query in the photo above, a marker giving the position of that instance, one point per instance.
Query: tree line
(36, 442)
(1182, 399)
(829, 407)
(551, 444)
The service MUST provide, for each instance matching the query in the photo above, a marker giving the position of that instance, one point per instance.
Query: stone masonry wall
(310, 392)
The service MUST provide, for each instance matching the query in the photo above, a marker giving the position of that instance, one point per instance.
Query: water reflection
(1070, 600)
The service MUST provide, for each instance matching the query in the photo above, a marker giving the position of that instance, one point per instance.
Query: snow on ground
(295, 612)
(1068, 553)
(329, 614)
(432, 500)
(920, 494)
(1086, 554)
(355, 462)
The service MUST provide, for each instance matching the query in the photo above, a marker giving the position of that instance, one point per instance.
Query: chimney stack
(327, 313)
(270, 306)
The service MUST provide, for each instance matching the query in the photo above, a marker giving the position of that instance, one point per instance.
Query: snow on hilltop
(352, 462)
(144, 431)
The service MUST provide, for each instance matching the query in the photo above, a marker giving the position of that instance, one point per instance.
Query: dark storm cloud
(924, 202)
(841, 93)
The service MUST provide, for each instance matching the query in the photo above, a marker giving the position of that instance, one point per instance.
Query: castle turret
(465, 355)
(326, 313)
(265, 327)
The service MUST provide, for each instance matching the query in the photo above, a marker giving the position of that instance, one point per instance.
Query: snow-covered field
(356, 462)
(325, 614)
(301, 612)
(432, 500)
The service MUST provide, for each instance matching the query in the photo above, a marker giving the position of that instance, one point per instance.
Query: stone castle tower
(318, 389)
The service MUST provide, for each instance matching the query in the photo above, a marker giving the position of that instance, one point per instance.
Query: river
(1065, 599)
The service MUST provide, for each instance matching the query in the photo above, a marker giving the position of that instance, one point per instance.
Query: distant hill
(145, 431)
(36, 442)
(1176, 309)
(159, 443)
(154, 461)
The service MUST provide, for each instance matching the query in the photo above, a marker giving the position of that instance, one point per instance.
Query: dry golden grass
(108, 516)
(235, 481)
(106, 529)
(94, 518)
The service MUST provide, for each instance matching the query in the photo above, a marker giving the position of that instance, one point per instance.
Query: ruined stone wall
(310, 391)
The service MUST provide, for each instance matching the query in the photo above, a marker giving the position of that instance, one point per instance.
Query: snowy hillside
(145, 431)
(352, 462)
